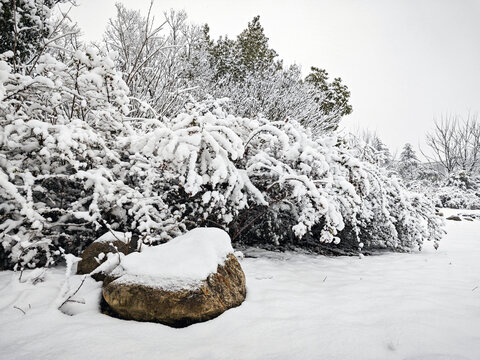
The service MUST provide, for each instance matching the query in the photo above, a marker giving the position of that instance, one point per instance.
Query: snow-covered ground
(419, 306)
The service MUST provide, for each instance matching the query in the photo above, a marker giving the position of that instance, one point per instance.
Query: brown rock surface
(88, 262)
(222, 290)
(454, 218)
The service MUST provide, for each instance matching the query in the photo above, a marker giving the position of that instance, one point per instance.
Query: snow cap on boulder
(189, 258)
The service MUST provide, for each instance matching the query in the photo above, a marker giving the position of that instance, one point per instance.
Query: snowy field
(419, 306)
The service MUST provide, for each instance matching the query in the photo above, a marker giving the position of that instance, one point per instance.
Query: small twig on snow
(23, 311)
(77, 301)
(69, 299)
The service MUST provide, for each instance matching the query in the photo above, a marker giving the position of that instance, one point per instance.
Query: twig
(77, 301)
(108, 228)
(16, 307)
(74, 293)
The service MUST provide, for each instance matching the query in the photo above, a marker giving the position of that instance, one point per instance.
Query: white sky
(405, 62)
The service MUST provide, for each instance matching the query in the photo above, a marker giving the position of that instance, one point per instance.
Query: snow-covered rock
(454, 218)
(96, 253)
(194, 277)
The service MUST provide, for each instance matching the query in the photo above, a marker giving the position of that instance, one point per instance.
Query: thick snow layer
(183, 261)
(419, 306)
(194, 255)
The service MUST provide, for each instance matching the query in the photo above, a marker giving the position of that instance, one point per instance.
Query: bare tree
(153, 57)
(455, 143)
(468, 144)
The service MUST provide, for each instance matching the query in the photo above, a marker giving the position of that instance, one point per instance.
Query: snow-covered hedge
(73, 164)
(273, 183)
(456, 198)
(458, 191)
(62, 175)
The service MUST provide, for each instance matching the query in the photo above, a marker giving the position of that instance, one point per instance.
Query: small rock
(93, 253)
(470, 217)
(454, 218)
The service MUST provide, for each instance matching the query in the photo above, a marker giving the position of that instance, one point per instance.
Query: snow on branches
(272, 182)
(72, 162)
(61, 171)
(80, 157)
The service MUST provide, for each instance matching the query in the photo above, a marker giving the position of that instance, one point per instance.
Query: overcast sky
(405, 62)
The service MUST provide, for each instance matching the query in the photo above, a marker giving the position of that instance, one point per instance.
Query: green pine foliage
(337, 94)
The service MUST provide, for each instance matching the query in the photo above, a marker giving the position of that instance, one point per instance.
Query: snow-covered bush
(49, 145)
(62, 173)
(266, 182)
(463, 180)
(365, 207)
(273, 183)
(457, 191)
(278, 95)
(24, 25)
(77, 161)
(455, 198)
(195, 157)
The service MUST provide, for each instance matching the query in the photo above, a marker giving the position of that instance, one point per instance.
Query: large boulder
(192, 278)
(95, 253)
